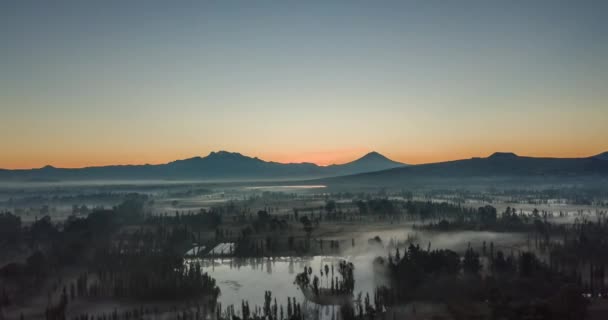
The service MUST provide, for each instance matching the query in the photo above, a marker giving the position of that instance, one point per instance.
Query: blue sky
(92, 83)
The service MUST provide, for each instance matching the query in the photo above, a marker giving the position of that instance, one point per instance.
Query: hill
(601, 156)
(498, 169)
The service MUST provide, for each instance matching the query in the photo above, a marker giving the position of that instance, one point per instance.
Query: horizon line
(301, 162)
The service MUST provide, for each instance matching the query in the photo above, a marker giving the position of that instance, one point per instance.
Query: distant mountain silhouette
(602, 156)
(500, 166)
(372, 161)
(219, 165)
(503, 155)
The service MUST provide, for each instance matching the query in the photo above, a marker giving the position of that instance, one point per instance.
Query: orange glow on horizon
(322, 158)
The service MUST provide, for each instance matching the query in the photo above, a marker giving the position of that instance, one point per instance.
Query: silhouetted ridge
(499, 169)
(503, 155)
(372, 161)
(374, 155)
(601, 156)
(226, 155)
(217, 165)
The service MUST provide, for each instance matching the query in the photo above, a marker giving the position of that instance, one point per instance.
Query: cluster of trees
(148, 276)
(571, 195)
(130, 254)
(53, 247)
(412, 209)
(267, 222)
(203, 219)
(582, 253)
(381, 209)
(415, 267)
(185, 312)
(132, 210)
(80, 198)
(267, 236)
(29, 273)
(376, 206)
(359, 308)
(269, 311)
(191, 192)
(577, 249)
(514, 287)
(342, 285)
(487, 218)
(10, 228)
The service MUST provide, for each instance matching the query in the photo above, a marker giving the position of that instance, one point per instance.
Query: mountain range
(499, 168)
(373, 169)
(221, 165)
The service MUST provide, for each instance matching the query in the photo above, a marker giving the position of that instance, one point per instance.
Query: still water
(248, 279)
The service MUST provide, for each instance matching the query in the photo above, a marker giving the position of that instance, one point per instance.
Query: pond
(248, 279)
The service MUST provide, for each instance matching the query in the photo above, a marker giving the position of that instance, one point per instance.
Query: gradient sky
(114, 82)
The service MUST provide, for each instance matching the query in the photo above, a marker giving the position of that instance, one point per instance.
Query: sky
(88, 83)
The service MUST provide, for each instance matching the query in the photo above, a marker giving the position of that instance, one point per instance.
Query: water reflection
(247, 279)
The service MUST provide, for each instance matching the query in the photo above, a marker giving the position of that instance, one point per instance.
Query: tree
(10, 227)
(471, 264)
(487, 214)
(307, 224)
(330, 206)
